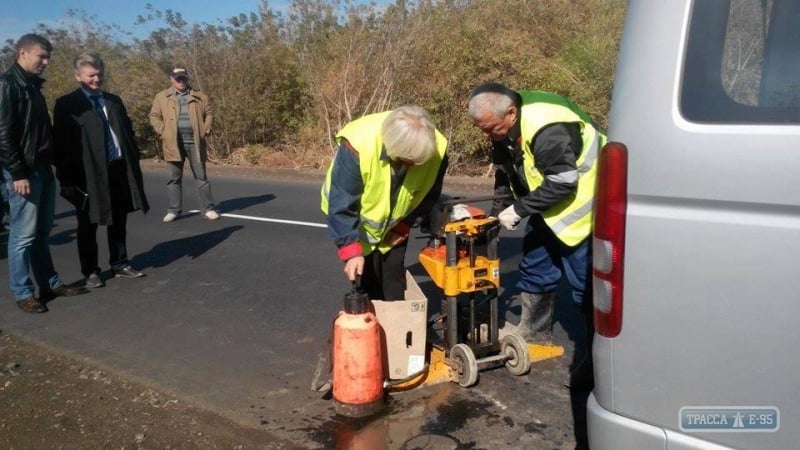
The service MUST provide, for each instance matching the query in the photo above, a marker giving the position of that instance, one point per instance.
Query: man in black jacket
(26, 150)
(97, 164)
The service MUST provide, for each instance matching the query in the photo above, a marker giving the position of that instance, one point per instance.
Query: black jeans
(120, 195)
(384, 276)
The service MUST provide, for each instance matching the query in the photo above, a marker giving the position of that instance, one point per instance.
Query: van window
(742, 62)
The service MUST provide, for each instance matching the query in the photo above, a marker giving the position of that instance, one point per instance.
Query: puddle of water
(424, 423)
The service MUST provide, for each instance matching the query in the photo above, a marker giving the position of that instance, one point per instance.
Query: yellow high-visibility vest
(364, 135)
(571, 218)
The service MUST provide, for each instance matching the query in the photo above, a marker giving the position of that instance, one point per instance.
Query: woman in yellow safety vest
(385, 178)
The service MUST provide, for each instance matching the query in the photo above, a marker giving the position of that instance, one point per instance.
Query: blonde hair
(89, 59)
(408, 134)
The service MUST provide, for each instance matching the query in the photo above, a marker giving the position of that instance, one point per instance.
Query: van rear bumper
(609, 431)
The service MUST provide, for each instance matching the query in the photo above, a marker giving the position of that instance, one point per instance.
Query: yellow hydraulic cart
(469, 282)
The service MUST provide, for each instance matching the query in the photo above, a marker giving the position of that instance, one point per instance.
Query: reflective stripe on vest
(570, 219)
(585, 209)
(376, 219)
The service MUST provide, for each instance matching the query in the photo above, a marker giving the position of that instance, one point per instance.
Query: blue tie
(111, 150)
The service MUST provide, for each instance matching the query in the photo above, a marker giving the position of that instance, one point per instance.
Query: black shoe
(127, 272)
(31, 305)
(94, 281)
(62, 291)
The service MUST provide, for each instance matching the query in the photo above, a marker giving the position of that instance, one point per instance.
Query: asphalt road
(233, 313)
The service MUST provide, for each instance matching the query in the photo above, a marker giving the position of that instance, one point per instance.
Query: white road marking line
(264, 219)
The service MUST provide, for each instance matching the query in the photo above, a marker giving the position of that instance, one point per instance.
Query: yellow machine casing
(466, 276)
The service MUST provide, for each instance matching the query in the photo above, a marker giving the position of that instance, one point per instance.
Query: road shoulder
(50, 398)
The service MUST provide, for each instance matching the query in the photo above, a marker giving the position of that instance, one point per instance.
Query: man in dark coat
(97, 164)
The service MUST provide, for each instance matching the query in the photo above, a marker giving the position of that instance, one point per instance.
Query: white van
(697, 231)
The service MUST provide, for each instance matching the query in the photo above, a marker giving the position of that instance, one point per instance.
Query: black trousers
(384, 276)
(120, 195)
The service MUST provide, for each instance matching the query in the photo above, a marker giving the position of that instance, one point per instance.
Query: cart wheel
(463, 355)
(516, 350)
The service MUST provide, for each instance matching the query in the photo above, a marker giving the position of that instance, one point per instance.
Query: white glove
(509, 218)
(459, 212)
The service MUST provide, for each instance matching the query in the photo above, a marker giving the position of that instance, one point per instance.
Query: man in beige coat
(182, 116)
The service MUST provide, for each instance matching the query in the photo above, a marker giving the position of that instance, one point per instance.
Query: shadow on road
(69, 212)
(63, 237)
(238, 204)
(164, 253)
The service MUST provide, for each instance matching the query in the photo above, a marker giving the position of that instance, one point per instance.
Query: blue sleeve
(344, 197)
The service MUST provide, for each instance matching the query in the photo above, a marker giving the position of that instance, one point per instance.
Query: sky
(18, 17)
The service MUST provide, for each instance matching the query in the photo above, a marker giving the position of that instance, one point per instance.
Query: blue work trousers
(546, 259)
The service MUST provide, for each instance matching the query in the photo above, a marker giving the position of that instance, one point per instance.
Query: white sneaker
(211, 215)
(170, 217)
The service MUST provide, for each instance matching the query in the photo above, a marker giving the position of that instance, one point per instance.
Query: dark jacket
(24, 130)
(555, 149)
(80, 156)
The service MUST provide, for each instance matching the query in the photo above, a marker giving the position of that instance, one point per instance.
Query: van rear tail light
(608, 243)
